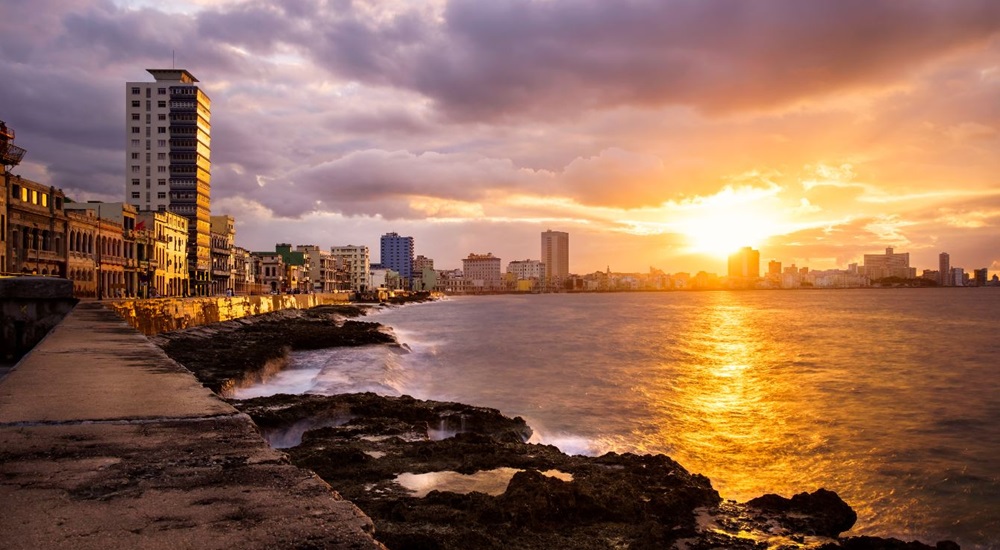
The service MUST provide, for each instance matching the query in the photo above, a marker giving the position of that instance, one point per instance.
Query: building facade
(166, 265)
(82, 252)
(890, 264)
(36, 227)
(481, 273)
(555, 256)
(396, 253)
(168, 159)
(744, 265)
(322, 268)
(356, 262)
(944, 269)
(223, 237)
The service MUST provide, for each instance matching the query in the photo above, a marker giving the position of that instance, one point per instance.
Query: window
(162, 208)
(34, 197)
(135, 129)
(161, 182)
(135, 156)
(135, 116)
(137, 103)
(161, 104)
(45, 199)
(135, 181)
(161, 91)
(25, 194)
(161, 116)
(161, 130)
(136, 90)
(135, 143)
(135, 194)
(161, 168)
(161, 156)
(135, 168)
(161, 195)
(161, 143)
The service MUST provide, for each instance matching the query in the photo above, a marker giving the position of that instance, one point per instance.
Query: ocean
(891, 398)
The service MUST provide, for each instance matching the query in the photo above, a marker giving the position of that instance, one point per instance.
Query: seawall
(153, 316)
(105, 442)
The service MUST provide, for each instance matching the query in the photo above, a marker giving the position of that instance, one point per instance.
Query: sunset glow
(663, 132)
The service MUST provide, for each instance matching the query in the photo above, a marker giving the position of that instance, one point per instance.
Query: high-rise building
(167, 160)
(890, 264)
(555, 256)
(745, 264)
(396, 253)
(944, 269)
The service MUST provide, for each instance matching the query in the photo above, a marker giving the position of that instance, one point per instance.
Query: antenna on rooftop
(173, 59)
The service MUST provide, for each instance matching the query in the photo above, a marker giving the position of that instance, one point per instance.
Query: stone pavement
(107, 443)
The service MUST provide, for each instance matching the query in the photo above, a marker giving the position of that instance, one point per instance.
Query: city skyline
(336, 126)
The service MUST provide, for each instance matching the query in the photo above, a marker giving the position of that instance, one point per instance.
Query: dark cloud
(516, 57)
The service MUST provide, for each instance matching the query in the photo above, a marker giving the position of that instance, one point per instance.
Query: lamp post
(10, 156)
(100, 246)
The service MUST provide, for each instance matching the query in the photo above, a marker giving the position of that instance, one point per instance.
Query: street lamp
(100, 246)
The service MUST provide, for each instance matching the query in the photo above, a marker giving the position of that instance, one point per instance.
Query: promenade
(107, 443)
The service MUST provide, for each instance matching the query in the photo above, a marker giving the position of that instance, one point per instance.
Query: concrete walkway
(105, 442)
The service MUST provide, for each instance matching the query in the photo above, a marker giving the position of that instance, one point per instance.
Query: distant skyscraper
(396, 253)
(167, 163)
(745, 263)
(555, 256)
(944, 269)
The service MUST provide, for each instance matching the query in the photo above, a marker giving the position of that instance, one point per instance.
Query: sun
(720, 231)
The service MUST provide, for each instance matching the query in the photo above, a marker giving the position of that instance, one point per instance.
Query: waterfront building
(36, 228)
(422, 266)
(244, 273)
(355, 260)
(384, 278)
(118, 258)
(555, 256)
(396, 253)
(944, 269)
(272, 272)
(223, 236)
(958, 277)
(82, 257)
(744, 267)
(10, 156)
(980, 276)
(167, 161)
(890, 264)
(166, 265)
(481, 273)
(526, 275)
(322, 272)
(296, 268)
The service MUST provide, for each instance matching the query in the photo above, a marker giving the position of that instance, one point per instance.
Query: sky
(658, 133)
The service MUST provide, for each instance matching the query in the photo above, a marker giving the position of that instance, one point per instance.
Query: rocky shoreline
(449, 475)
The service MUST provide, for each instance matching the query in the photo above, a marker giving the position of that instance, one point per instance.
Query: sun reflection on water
(722, 401)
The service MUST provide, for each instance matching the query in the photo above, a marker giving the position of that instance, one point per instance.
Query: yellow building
(166, 269)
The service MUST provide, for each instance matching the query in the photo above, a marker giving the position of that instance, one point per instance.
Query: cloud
(514, 58)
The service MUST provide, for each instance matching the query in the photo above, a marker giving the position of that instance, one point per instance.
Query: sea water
(891, 398)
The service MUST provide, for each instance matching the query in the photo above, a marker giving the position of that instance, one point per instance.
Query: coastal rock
(246, 351)
(820, 513)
